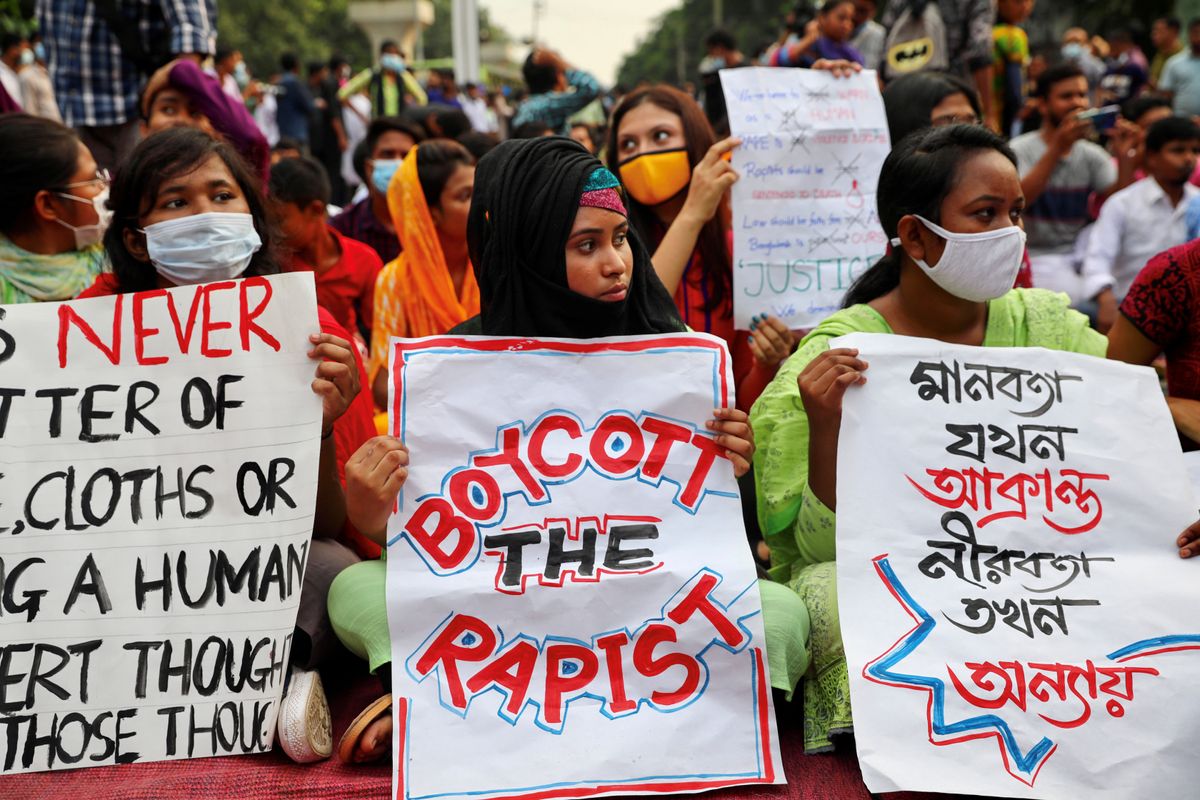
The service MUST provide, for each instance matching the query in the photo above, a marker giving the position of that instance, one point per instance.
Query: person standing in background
(1010, 50)
(721, 53)
(37, 90)
(1128, 69)
(869, 36)
(556, 91)
(1077, 49)
(1165, 36)
(231, 71)
(389, 85)
(294, 103)
(99, 56)
(12, 49)
(328, 128)
(1181, 76)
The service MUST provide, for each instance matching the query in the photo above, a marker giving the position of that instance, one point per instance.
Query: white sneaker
(304, 730)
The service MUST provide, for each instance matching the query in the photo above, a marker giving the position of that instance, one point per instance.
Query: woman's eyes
(660, 136)
(225, 196)
(619, 238)
(1016, 214)
(178, 202)
(628, 144)
(587, 246)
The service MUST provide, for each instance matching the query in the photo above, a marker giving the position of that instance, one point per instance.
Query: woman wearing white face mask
(52, 211)
(950, 199)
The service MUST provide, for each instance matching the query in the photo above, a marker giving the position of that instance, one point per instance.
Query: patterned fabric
(414, 295)
(94, 83)
(968, 30)
(1010, 57)
(602, 190)
(33, 277)
(801, 530)
(1162, 304)
(554, 108)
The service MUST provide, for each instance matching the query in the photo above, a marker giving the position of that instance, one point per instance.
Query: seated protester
(1060, 171)
(52, 211)
(1144, 219)
(554, 257)
(556, 91)
(1161, 315)
(345, 270)
(182, 94)
(959, 181)
(828, 37)
(369, 221)
(187, 210)
(430, 288)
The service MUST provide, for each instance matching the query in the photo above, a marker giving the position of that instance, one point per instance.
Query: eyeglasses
(102, 177)
(956, 119)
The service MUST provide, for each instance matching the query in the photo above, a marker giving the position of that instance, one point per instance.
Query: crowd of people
(1033, 197)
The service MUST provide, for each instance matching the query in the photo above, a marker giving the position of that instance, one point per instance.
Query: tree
(312, 29)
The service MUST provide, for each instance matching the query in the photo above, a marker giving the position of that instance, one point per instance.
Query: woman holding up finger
(950, 199)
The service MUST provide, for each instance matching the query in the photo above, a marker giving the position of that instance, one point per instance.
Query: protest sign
(572, 602)
(159, 458)
(804, 219)
(1017, 621)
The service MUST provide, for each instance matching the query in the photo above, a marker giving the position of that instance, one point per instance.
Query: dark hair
(1120, 34)
(909, 100)
(337, 60)
(437, 160)
(288, 62)
(540, 78)
(224, 52)
(358, 160)
(379, 127)
(1056, 74)
(313, 67)
(10, 39)
(449, 122)
(299, 181)
(478, 143)
(531, 129)
(49, 156)
(389, 44)
(721, 38)
(915, 179)
(287, 143)
(1170, 129)
(711, 244)
(829, 6)
(158, 158)
(1171, 22)
(1134, 108)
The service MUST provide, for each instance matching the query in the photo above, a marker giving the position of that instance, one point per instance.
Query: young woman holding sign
(187, 211)
(554, 257)
(950, 200)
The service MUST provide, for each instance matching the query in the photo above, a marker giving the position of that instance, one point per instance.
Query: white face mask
(88, 235)
(975, 266)
(203, 247)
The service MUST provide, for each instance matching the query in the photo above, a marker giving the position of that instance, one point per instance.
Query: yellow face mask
(653, 178)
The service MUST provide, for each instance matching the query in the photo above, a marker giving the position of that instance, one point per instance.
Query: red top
(1164, 304)
(347, 288)
(350, 430)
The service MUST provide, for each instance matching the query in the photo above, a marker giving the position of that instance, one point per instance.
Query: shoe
(304, 730)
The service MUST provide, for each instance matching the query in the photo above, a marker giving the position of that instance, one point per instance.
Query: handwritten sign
(1016, 619)
(573, 608)
(804, 219)
(159, 454)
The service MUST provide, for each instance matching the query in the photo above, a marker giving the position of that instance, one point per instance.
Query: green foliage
(312, 29)
(438, 38)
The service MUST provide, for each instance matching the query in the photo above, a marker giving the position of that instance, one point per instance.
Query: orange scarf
(414, 295)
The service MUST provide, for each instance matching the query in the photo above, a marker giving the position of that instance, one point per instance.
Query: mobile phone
(1102, 118)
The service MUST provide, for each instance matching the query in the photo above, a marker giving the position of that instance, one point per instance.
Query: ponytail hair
(916, 178)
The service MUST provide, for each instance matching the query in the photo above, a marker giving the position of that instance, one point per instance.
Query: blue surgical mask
(200, 248)
(39, 51)
(381, 174)
(241, 74)
(1072, 51)
(392, 61)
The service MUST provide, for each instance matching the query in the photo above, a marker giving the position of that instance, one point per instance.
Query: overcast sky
(594, 35)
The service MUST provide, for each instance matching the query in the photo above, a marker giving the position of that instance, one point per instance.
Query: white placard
(1016, 618)
(804, 219)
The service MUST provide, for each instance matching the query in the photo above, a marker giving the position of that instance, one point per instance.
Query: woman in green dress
(950, 201)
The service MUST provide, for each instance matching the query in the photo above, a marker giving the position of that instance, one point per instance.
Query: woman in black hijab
(554, 258)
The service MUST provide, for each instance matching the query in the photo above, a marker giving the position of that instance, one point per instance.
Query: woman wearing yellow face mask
(677, 177)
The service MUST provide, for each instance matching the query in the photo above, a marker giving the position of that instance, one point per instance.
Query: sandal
(348, 745)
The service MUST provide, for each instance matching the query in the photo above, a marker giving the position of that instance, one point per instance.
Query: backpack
(916, 41)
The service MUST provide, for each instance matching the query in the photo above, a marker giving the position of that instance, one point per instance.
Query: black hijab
(526, 196)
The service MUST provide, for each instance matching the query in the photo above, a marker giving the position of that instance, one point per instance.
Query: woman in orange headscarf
(431, 287)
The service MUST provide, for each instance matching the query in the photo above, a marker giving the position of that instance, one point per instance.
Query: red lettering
(208, 326)
(666, 435)
(558, 684)
(463, 638)
(247, 317)
(461, 494)
(67, 315)
(709, 452)
(698, 599)
(510, 456)
(644, 661)
(611, 645)
(512, 670)
(632, 453)
(448, 523)
(537, 440)
(182, 335)
(141, 333)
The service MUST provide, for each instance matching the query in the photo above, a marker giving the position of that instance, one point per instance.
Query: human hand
(1070, 131)
(337, 382)
(823, 384)
(1106, 310)
(771, 341)
(375, 474)
(840, 67)
(1128, 141)
(734, 433)
(711, 178)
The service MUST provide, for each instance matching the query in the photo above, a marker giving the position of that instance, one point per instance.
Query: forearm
(983, 85)
(675, 250)
(1036, 180)
(330, 516)
(822, 466)
(1186, 414)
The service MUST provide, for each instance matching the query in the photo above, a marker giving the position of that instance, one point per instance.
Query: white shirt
(1135, 224)
(12, 84)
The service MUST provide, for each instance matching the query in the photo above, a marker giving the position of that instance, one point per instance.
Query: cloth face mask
(653, 178)
(203, 247)
(975, 266)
